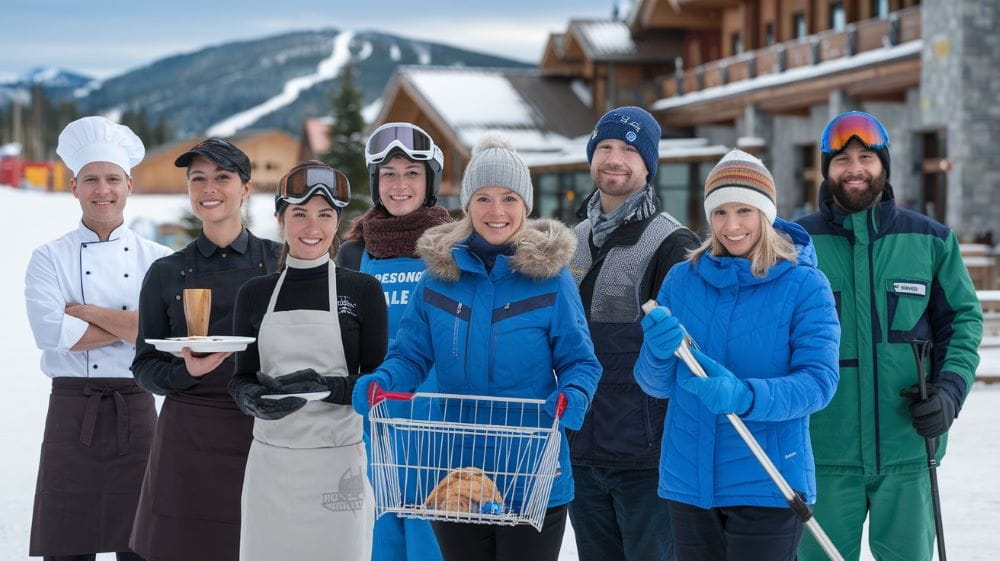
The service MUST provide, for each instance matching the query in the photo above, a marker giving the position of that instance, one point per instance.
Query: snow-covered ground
(969, 478)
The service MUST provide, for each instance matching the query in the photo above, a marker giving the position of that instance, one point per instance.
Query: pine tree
(162, 133)
(347, 142)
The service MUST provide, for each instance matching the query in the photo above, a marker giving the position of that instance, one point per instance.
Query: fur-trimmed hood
(541, 251)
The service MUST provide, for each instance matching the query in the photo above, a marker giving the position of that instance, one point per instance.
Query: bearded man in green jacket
(898, 278)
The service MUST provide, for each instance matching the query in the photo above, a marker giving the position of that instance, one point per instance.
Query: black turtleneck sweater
(361, 311)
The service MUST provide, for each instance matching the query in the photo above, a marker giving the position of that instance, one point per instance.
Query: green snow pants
(899, 510)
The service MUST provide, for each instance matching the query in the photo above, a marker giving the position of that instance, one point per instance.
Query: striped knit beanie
(740, 178)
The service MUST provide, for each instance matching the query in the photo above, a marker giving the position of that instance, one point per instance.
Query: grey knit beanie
(494, 163)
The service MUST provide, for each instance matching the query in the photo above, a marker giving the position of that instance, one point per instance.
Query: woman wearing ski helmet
(764, 318)
(318, 327)
(404, 166)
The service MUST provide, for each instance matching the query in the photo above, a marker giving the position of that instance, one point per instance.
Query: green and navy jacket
(897, 276)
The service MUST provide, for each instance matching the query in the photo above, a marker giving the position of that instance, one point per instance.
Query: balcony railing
(868, 35)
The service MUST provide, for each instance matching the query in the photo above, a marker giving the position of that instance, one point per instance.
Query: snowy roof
(868, 58)
(538, 113)
(545, 120)
(606, 40)
(604, 37)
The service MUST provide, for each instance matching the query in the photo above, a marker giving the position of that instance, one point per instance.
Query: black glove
(248, 399)
(932, 416)
(300, 381)
(308, 380)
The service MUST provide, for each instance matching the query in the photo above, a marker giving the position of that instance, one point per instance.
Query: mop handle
(798, 506)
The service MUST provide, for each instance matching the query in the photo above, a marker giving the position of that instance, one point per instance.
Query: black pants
(481, 542)
(742, 533)
(122, 556)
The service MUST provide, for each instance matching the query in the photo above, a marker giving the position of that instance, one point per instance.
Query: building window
(560, 194)
(799, 25)
(838, 19)
(932, 153)
(880, 8)
(547, 198)
(673, 186)
(807, 170)
(737, 43)
(769, 34)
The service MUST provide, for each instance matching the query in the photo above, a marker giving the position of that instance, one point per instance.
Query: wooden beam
(664, 17)
(889, 80)
(884, 97)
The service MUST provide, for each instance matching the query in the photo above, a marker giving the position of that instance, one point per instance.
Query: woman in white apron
(305, 493)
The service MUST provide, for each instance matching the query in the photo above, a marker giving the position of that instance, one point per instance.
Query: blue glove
(576, 407)
(662, 333)
(359, 397)
(722, 392)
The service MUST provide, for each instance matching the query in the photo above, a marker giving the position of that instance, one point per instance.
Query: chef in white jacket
(82, 293)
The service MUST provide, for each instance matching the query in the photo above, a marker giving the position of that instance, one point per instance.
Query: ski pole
(798, 506)
(920, 349)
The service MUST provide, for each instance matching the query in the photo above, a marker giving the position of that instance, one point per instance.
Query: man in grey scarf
(624, 250)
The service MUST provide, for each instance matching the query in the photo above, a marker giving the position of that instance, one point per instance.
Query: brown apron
(190, 504)
(97, 438)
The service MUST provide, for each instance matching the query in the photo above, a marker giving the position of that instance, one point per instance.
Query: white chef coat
(79, 268)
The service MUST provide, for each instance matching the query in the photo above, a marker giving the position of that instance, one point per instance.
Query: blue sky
(106, 37)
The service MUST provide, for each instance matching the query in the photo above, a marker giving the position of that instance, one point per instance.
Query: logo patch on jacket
(914, 288)
(346, 307)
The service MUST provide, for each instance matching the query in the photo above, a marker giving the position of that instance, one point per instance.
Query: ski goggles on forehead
(300, 184)
(415, 143)
(855, 124)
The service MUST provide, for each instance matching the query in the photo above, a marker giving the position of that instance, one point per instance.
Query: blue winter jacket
(518, 330)
(780, 334)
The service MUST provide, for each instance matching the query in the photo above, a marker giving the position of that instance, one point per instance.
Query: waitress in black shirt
(318, 328)
(189, 509)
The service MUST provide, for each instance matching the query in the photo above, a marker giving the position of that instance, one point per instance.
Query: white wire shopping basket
(459, 458)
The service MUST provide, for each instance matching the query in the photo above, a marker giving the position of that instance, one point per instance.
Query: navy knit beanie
(632, 125)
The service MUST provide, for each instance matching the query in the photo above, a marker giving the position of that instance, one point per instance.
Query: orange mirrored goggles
(853, 124)
(306, 180)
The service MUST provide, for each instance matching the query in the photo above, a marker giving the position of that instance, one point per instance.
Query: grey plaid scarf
(639, 206)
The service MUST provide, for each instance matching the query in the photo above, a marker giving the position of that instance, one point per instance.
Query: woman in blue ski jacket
(764, 318)
(404, 168)
(497, 314)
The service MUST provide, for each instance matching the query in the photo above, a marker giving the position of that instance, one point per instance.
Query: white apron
(305, 492)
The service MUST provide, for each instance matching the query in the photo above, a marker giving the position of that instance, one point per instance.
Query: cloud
(512, 37)
(108, 42)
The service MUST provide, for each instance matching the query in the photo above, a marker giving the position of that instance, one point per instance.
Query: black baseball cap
(226, 155)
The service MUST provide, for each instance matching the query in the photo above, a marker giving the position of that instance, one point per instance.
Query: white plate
(210, 344)
(308, 396)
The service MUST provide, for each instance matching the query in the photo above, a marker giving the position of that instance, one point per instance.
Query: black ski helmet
(411, 142)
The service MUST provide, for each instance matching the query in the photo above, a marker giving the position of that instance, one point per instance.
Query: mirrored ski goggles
(853, 124)
(414, 142)
(305, 181)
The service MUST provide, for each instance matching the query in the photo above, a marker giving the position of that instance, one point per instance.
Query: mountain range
(275, 81)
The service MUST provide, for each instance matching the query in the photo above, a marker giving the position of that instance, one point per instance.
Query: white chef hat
(97, 139)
